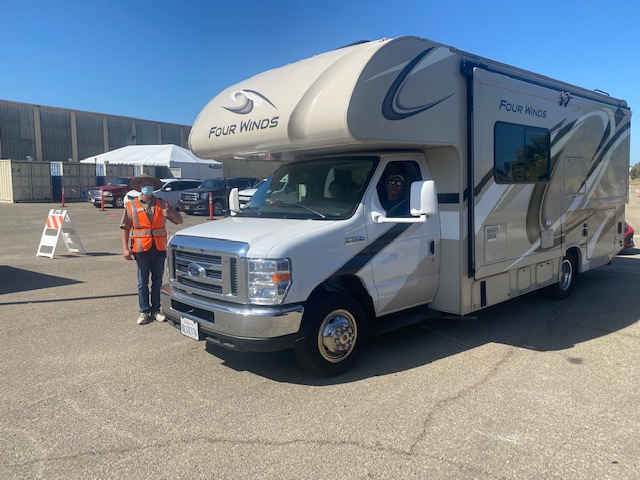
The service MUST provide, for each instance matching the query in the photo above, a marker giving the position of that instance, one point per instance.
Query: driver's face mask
(147, 190)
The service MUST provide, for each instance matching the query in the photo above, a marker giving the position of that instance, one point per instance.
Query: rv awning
(149, 155)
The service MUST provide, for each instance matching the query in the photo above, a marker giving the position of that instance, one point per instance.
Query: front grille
(189, 197)
(217, 289)
(211, 273)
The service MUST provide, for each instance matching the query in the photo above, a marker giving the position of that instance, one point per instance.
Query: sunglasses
(399, 183)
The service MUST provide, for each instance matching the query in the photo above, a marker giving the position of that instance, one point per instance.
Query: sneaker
(159, 316)
(143, 318)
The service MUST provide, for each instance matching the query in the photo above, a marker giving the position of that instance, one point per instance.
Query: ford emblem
(195, 270)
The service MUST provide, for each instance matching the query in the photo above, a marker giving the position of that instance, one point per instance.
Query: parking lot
(529, 389)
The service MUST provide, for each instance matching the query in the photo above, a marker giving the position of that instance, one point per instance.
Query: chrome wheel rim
(566, 274)
(337, 336)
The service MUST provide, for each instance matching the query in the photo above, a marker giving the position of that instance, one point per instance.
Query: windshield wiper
(304, 207)
(254, 209)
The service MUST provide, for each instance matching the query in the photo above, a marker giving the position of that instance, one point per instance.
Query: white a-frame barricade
(59, 223)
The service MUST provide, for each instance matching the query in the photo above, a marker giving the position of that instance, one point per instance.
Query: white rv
(502, 182)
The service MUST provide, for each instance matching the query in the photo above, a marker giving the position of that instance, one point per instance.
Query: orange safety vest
(145, 233)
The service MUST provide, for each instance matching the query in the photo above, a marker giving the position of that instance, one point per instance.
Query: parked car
(113, 193)
(197, 199)
(244, 196)
(173, 187)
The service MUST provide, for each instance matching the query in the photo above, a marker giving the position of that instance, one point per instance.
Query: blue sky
(164, 60)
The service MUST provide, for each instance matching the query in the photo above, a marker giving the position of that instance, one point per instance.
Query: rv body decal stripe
(450, 198)
(605, 135)
(485, 180)
(364, 256)
(390, 102)
(562, 132)
(620, 116)
(619, 134)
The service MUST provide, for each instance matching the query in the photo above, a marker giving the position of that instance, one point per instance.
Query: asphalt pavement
(529, 389)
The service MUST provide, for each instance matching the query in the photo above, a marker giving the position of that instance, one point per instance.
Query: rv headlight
(269, 280)
(204, 196)
(107, 193)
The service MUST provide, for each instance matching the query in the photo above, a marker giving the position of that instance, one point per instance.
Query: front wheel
(334, 335)
(218, 207)
(568, 274)
(118, 201)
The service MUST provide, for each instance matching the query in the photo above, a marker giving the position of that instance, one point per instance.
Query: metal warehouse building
(50, 134)
(41, 147)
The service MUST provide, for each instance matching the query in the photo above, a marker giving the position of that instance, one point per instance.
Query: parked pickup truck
(197, 199)
(245, 195)
(113, 193)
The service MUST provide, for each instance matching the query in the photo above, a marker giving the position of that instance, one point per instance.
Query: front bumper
(98, 200)
(238, 327)
(194, 207)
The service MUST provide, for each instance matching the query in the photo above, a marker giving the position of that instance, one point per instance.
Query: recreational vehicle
(502, 182)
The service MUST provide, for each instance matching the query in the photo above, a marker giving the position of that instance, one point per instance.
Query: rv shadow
(14, 280)
(598, 306)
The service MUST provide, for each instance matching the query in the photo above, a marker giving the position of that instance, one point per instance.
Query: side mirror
(168, 189)
(234, 201)
(424, 198)
(423, 203)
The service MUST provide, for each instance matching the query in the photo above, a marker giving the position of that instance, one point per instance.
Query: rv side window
(521, 153)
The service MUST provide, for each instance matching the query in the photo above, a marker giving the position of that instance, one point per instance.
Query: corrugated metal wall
(250, 168)
(25, 181)
(6, 182)
(56, 135)
(170, 134)
(49, 134)
(120, 133)
(90, 132)
(17, 132)
(22, 181)
(147, 134)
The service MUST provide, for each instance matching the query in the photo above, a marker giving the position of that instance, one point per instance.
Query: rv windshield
(320, 189)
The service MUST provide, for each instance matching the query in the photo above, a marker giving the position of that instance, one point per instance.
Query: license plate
(189, 328)
(187, 207)
(92, 200)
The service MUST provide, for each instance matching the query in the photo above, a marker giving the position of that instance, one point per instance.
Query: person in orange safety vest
(144, 238)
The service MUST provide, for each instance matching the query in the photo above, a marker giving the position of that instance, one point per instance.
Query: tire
(118, 201)
(334, 330)
(568, 275)
(218, 207)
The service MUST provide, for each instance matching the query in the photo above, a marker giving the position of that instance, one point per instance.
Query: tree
(635, 171)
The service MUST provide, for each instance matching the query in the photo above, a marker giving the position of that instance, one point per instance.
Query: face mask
(147, 190)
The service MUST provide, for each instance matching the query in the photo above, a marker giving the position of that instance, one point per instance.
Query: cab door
(405, 256)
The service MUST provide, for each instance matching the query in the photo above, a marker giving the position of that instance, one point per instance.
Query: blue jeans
(150, 263)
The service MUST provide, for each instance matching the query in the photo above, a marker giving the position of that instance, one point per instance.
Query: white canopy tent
(179, 161)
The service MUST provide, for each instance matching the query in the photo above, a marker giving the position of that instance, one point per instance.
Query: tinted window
(241, 184)
(521, 153)
(213, 184)
(120, 182)
(394, 194)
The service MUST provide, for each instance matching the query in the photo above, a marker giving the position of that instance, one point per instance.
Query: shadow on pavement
(598, 306)
(18, 280)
